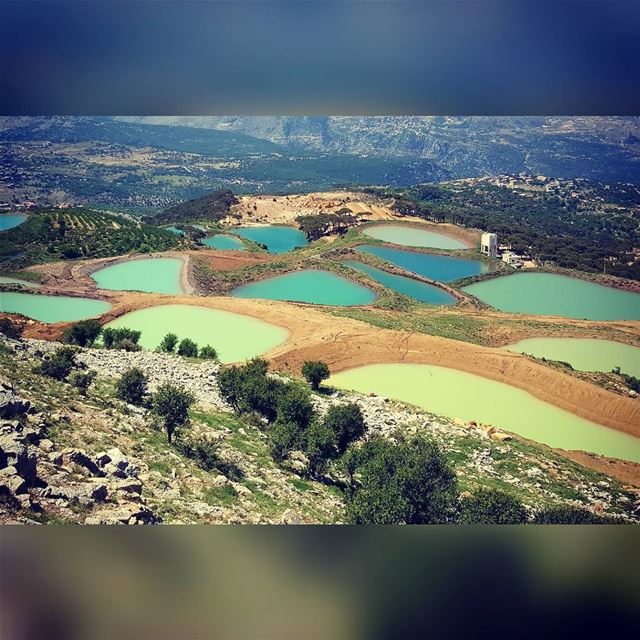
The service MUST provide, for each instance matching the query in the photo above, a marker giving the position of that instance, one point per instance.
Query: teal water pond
(550, 294)
(584, 354)
(457, 394)
(224, 242)
(8, 221)
(51, 309)
(277, 239)
(311, 285)
(413, 237)
(152, 275)
(180, 232)
(236, 337)
(439, 268)
(418, 290)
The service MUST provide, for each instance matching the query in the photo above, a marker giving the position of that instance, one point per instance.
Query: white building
(489, 244)
(512, 259)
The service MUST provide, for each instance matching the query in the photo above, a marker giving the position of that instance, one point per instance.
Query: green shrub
(188, 348)
(571, 515)
(82, 380)
(294, 405)
(347, 424)
(169, 343)
(320, 447)
(208, 353)
(171, 404)
(59, 365)
(10, 329)
(315, 372)
(284, 437)
(490, 506)
(132, 386)
(83, 333)
(205, 453)
(122, 338)
(407, 483)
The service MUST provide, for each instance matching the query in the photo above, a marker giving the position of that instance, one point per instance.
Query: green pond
(457, 394)
(277, 239)
(236, 337)
(439, 268)
(550, 294)
(52, 308)
(421, 291)
(584, 354)
(413, 237)
(180, 232)
(224, 242)
(311, 285)
(152, 275)
(24, 283)
(10, 221)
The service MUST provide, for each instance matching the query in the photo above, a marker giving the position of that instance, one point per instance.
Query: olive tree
(315, 372)
(171, 404)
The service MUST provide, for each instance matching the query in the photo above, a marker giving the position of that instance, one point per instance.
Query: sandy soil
(285, 209)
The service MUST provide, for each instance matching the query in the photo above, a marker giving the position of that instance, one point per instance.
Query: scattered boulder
(11, 405)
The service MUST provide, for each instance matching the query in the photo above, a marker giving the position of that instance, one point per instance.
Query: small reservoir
(277, 239)
(413, 237)
(52, 309)
(310, 285)
(9, 221)
(236, 337)
(151, 275)
(224, 242)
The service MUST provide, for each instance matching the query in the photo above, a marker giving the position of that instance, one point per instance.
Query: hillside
(601, 148)
(96, 459)
(211, 207)
(576, 224)
(66, 234)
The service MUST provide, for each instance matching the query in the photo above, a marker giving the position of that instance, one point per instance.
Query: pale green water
(24, 283)
(550, 294)
(413, 237)
(179, 232)
(51, 308)
(413, 288)
(153, 275)
(457, 394)
(311, 285)
(277, 239)
(236, 337)
(10, 221)
(224, 242)
(583, 353)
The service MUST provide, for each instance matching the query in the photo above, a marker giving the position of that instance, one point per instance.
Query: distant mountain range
(602, 148)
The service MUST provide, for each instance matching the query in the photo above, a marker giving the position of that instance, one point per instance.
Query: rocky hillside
(603, 148)
(69, 457)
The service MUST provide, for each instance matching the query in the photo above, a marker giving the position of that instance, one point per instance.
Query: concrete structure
(489, 244)
(512, 259)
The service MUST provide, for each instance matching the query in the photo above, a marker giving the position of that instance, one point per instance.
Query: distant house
(489, 244)
(512, 259)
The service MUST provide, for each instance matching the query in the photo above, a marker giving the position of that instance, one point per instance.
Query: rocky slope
(65, 457)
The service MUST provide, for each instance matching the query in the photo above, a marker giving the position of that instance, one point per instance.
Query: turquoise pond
(418, 290)
(152, 275)
(439, 268)
(311, 285)
(551, 294)
(11, 220)
(51, 308)
(413, 237)
(276, 239)
(180, 232)
(224, 242)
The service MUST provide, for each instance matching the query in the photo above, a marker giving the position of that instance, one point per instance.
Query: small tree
(82, 380)
(284, 437)
(59, 365)
(132, 386)
(347, 424)
(10, 329)
(121, 338)
(294, 405)
(490, 506)
(83, 333)
(320, 447)
(230, 386)
(188, 348)
(169, 343)
(208, 353)
(315, 372)
(571, 515)
(171, 404)
(406, 483)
